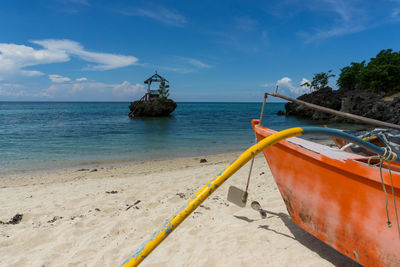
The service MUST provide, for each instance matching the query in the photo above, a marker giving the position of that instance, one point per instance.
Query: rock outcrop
(157, 107)
(362, 103)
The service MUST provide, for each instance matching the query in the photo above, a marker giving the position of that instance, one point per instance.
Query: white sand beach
(100, 217)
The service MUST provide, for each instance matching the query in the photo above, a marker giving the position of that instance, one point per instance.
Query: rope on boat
(388, 157)
(394, 200)
(173, 222)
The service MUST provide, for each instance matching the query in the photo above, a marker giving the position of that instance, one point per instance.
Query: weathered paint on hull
(339, 201)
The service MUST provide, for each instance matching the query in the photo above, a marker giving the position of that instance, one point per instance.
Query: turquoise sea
(48, 135)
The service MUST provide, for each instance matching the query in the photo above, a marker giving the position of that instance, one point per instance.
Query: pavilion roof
(156, 78)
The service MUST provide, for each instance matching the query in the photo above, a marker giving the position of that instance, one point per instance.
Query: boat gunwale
(350, 162)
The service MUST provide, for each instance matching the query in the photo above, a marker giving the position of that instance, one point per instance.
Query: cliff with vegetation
(370, 90)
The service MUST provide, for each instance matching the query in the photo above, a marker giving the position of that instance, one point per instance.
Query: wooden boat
(337, 197)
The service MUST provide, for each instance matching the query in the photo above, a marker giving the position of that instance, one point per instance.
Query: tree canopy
(319, 81)
(381, 74)
(163, 90)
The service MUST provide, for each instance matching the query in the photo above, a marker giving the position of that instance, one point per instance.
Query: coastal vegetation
(380, 75)
(163, 91)
(319, 81)
(367, 89)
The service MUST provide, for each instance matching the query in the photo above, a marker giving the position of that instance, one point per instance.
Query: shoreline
(95, 164)
(144, 166)
(89, 218)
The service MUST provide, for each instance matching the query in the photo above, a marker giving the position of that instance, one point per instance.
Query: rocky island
(363, 103)
(156, 108)
(370, 90)
(155, 103)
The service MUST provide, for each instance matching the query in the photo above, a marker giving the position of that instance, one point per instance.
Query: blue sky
(86, 50)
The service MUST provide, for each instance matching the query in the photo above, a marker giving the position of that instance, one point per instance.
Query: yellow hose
(205, 192)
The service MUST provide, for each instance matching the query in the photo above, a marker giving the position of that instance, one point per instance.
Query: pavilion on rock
(153, 93)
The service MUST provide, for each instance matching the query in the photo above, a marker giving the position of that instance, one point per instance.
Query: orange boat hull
(339, 200)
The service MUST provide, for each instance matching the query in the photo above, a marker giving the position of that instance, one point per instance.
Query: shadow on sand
(323, 250)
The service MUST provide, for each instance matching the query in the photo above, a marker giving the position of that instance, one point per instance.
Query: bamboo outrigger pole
(339, 113)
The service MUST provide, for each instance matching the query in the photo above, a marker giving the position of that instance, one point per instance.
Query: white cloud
(15, 58)
(342, 7)
(197, 63)
(185, 65)
(162, 14)
(12, 90)
(336, 30)
(104, 61)
(31, 73)
(65, 86)
(304, 80)
(128, 89)
(286, 84)
(55, 78)
(58, 78)
(267, 84)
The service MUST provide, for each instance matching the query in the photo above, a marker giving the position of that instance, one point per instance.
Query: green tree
(163, 90)
(381, 74)
(350, 77)
(319, 81)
